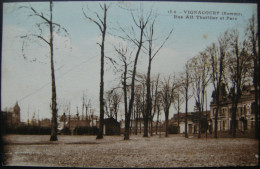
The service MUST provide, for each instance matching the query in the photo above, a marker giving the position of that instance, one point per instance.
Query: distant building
(16, 115)
(245, 117)
(11, 117)
(45, 122)
(6, 122)
(111, 126)
(192, 121)
(75, 121)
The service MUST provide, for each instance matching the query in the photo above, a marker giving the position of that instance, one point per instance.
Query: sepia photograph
(130, 84)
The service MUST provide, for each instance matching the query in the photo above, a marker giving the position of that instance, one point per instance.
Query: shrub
(85, 130)
(31, 130)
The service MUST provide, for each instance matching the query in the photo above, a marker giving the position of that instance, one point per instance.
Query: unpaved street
(113, 151)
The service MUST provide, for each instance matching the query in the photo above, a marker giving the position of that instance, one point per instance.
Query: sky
(25, 74)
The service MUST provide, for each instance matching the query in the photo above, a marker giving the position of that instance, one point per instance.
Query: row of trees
(141, 32)
(232, 61)
(146, 96)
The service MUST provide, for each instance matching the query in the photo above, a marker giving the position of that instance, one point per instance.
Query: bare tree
(200, 71)
(124, 57)
(155, 97)
(252, 31)
(47, 23)
(239, 64)
(158, 108)
(218, 55)
(87, 103)
(140, 23)
(138, 105)
(68, 110)
(141, 92)
(179, 100)
(116, 102)
(108, 104)
(152, 52)
(83, 106)
(186, 82)
(102, 25)
(64, 106)
(113, 98)
(167, 92)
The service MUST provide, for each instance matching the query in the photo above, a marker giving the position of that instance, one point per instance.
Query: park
(113, 151)
(123, 84)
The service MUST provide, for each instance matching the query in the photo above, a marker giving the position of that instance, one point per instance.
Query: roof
(247, 95)
(111, 120)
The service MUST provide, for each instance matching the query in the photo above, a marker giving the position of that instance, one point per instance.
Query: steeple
(16, 108)
(16, 114)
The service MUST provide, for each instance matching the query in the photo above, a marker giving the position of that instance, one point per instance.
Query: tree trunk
(234, 112)
(148, 97)
(178, 115)
(157, 122)
(127, 120)
(186, 112)
(257, 107)
(217, 94)
(257, 95)
(53, 85)
(199, 123)
(101, 96)
(101, 100)
(140, 125)
(216, 123)
(133, 84)
(218, 86)
(125, 91)
(136, 121)
(256, 82)
(233, 122)
(151, 133)
(166, 122)
(131, 125)
(145, 127)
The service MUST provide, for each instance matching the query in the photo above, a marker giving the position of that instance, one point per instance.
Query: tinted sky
(77, 56)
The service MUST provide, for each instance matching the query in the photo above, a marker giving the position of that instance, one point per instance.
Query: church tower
(16, 114)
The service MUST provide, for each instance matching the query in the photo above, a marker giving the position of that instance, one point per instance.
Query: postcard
(130, 84)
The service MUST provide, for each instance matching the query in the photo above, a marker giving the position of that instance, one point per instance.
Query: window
(252, 123)
(223, 112)
(253, 105)
(214, 112)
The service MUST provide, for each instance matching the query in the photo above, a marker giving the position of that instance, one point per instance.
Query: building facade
(245, 115)
(192, 121)
(11, 117)
(111, 126)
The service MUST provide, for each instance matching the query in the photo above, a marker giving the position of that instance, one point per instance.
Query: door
(190, 129)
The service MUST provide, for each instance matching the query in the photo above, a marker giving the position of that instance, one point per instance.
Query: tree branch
(162, 44)
(40, 15)
(93, 21)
